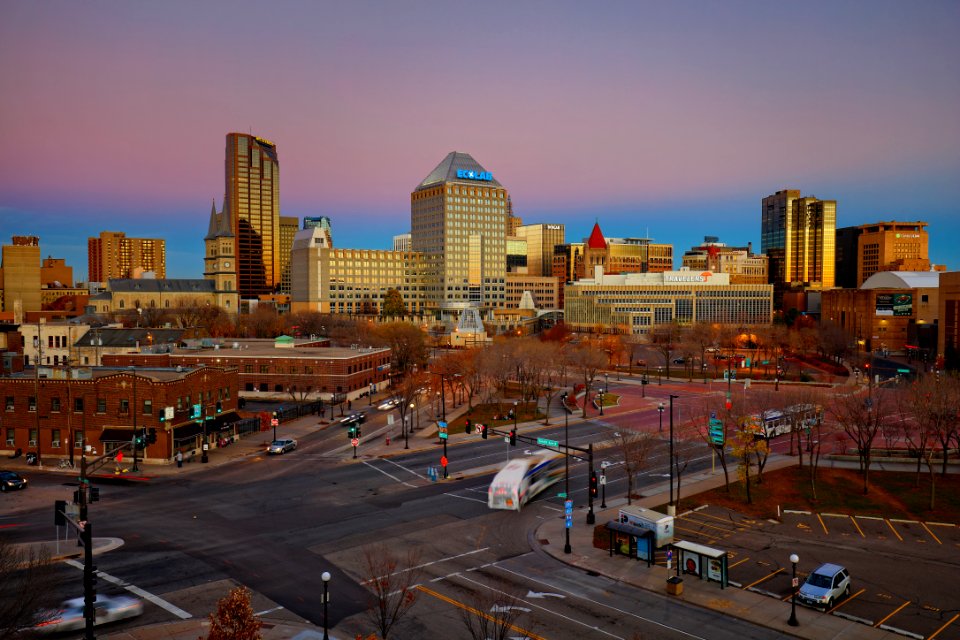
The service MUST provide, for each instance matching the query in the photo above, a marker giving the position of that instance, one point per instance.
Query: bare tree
(666, 338)
(392, 581)
(26, 587)
(861, 418)
(587, 361)
(928, 416)
(234, 618)
(634, 447)
(493, 613)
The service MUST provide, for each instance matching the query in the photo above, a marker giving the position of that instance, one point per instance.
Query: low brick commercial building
(54, 413)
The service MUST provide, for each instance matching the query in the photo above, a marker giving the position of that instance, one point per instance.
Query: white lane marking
(407, 469)
(266, 611)
(427, 564)
(598, 603)
(453, 495)
(392, 477)
(536, 606)
(146, 595)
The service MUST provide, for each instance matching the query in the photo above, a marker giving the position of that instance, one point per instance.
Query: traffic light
(163, 417)
(152, 436)
(593, 483)
(352, 432)
(513, 437)
(77, 496)
(219, 407)
(483, 431)
(94, 494)
(467, 426)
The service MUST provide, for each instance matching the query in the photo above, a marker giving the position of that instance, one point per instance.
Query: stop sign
(443, 461)
(355, 441)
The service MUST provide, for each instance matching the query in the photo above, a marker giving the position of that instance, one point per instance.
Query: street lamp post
(659, 375)
(406, 434)
(516, 405)
(133, 409)
(273, 422)
(793, 622)
(671, 509)
(600, 397)
(203, 421)
(660, 408)
(566, 464)
(325, 576)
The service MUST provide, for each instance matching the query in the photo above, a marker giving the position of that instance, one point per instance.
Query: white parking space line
(146, 595)
(391, 476)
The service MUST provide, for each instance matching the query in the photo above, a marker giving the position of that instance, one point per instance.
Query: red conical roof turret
(596, 240)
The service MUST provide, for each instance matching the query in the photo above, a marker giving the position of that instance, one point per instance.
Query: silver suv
(824, 586)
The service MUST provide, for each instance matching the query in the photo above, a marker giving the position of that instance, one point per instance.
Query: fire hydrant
(388, 441)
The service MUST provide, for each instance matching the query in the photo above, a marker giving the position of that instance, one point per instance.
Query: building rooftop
(456, 161)
(903, 280)
(150, 285)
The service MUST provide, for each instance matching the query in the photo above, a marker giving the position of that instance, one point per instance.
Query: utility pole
(671, 507)
(36, 402)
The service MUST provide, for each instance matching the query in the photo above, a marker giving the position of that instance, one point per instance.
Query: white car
(69, 617)
(824, 586)
(389, 404)
(282, 446)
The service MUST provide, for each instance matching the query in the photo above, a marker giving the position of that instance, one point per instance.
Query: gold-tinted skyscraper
(798, 234)
(252, 201)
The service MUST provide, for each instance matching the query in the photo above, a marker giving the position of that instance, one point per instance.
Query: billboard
(894, 304)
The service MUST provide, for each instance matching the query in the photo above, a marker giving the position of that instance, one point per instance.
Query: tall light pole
(516, 410)
(325, 576)
(660, 408)
(133, 409)
(793, 622)
(566, 464)
(672, 507)
(406, 441)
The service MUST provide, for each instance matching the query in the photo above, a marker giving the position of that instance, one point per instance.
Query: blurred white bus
(522, 479)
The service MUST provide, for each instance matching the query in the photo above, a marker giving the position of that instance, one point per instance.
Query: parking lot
(904, 573)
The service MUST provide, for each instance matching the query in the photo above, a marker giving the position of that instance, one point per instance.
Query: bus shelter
(701, 561)
(631, 541)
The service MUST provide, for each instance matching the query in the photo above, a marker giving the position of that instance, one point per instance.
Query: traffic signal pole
(89, 582)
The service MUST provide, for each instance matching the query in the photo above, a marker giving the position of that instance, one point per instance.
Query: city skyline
(669, 122)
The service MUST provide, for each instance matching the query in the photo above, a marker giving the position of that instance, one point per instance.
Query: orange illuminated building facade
(115, 256)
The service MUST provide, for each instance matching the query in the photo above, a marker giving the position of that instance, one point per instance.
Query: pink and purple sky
(671, 119)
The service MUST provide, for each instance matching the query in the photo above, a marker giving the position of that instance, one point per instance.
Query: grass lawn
(890, 495)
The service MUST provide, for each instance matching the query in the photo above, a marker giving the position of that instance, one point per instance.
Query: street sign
(274, 422)
(568, 507)
(443, 461)
(795, 583)
(569, 522)
(903, 370)
(562, 494)
(441, 424)
(603, 478)
(716, 431)
(168, 413)
(355, 441)
(545, 442)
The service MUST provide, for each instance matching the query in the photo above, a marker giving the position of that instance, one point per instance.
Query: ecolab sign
(683, 276)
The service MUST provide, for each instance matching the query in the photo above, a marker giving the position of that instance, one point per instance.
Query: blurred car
(69, 617)
(679, 360)
(282, 446)
(824, 586)
(12, 480)
(389, 404)
(354, 418)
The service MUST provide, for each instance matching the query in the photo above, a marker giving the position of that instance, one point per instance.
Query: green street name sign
(543, 442)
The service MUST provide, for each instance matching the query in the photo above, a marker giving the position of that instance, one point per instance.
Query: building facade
(20, 275)
(459, 224)
(252, 204)
(798, 235)
(58, 412)
(743, 266)
(113, 256)
(888, 312)
(880, 246)
(948, 344)
(353, 281)
(544, 291)
(636, 303)
(541, 240)
(289, 226)
(127, 296)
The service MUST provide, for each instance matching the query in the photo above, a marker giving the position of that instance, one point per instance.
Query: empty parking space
(947, 533)
(710, 525)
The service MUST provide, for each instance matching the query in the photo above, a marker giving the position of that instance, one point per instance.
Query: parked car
(282, 446)
(389, 404)
(69, 617)
(679, 360)
(12, 480)
(824, 586)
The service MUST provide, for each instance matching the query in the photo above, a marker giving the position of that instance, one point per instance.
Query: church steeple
(219, 262)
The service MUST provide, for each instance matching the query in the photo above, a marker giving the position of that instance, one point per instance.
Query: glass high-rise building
(798, 234)
(253, 201)
(458, 217)
(541, 239)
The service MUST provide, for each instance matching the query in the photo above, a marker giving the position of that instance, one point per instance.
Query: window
(55, 438)
(9, 403)
(32, 403)
(55, 404)
(101, 405)
(264, 368)
(124, 406)
(248, 368)
(148, 407)
(33, 437)
(78, 405)
(11, 438)
(78, 440)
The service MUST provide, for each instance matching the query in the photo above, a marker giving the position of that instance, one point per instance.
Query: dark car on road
(10, 480)
(354, 418)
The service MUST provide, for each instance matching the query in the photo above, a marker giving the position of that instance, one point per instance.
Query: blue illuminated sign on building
(475, 175)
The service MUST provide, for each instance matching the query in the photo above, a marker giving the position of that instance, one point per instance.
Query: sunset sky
(667, 119)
